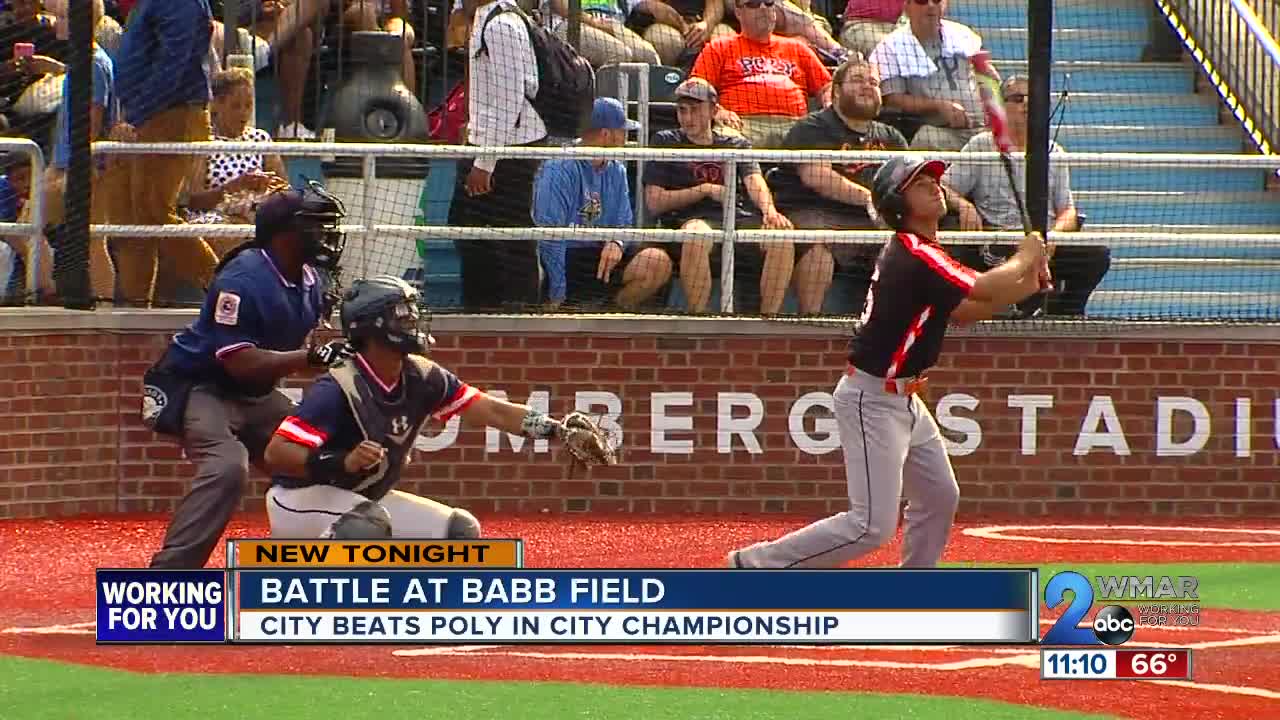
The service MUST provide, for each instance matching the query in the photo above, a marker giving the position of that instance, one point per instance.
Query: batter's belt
(896, 386)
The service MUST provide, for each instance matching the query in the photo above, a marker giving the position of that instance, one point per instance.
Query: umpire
(215, 387)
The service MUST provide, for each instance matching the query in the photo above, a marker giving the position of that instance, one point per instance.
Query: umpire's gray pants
(892, 449)
(222, 435)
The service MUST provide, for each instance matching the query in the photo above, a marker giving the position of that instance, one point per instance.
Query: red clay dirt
(64, 595)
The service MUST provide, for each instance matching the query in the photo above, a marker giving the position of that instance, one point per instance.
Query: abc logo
(1113, 625)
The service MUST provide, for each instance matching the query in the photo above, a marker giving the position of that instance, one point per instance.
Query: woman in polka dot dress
(224, 187)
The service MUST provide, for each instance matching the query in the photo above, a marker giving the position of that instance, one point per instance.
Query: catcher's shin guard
(463, 525)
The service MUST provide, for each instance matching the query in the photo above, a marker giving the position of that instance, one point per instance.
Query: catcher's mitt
(586, 442)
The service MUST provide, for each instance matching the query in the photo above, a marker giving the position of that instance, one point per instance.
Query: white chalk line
(998, 532)
(1014, 657)
(81, 628)
(1001, 656)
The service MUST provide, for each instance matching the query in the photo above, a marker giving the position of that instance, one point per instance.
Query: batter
(891, 443)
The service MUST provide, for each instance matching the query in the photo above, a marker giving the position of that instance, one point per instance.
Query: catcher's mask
(892, 179)
(314, 214)
(388, 309)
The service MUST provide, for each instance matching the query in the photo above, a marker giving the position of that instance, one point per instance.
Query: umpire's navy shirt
(249, 304)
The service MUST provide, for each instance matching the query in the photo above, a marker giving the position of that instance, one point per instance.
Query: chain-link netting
(1137, 236)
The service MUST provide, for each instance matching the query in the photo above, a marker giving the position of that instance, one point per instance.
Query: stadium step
(1010, 43)
(1111, 77)
(1223, 305)
(1127, 15)
(1201, 179)
(1140, 138)
(1153, 111)
(1173, 208)
(1152, 276)
(1238, 253)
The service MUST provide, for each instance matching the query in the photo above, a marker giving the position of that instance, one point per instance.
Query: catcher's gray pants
(307, 512)
(221, 435)
(892, 449)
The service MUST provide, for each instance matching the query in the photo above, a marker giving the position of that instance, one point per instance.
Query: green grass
(45, 690)
(1223, 586)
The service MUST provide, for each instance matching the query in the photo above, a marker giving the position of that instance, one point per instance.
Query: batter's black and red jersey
(915, 287)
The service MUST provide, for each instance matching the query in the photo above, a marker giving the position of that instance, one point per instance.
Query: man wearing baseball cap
(574, 192)
(688, 196)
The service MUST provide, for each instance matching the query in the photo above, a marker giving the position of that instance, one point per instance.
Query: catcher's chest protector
(390, 419)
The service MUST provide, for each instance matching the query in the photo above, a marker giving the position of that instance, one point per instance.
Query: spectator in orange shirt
(765, 81)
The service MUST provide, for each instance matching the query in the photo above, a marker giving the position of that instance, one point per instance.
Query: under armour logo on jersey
(399, 426)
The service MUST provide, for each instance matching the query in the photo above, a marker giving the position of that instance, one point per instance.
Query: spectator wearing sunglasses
(1076, 269)
(765, 81)
(868, 22)
(925, 71)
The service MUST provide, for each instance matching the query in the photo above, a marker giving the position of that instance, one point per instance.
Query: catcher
(336, 461)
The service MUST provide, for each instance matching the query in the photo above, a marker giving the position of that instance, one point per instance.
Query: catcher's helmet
(892, 178)
(314, 214)
(385, 308)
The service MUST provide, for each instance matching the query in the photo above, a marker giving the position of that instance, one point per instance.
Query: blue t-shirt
(104, 96)
(249, 304)
(574, 193)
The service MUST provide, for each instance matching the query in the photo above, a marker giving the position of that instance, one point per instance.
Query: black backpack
(566, 81)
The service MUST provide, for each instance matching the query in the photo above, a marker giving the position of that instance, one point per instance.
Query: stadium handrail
(1216, 34)
(35, 226)
(370, 153)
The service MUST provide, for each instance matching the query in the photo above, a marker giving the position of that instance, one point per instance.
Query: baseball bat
(993, 105)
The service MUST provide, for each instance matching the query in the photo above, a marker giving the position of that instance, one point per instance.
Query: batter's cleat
(733, 560)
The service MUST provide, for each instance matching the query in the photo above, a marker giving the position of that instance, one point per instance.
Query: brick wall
(70, 441)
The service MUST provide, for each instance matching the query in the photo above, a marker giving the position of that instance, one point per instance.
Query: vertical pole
(230, 30)
(73, 238)
(1039, 70)
(574, 36)
(36, 253)
(730, 223)
(369, 186)
(643, 111)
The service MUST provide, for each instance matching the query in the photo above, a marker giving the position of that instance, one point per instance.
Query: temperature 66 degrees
(1154, 664)
(1090, 664)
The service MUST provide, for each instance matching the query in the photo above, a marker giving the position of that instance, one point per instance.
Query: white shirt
(502, 81)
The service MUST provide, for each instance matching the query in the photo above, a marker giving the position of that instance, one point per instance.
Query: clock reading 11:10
(1114, 664)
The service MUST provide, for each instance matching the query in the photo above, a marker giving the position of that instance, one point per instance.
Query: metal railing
(365, 227)
(1241, 57)
(35, 227)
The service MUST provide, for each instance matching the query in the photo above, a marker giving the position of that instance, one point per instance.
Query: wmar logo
(1113, 625)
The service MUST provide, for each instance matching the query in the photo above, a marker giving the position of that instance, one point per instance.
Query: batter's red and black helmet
(892, 179)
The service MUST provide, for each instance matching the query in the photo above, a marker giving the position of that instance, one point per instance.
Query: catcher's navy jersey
(915, 287)
(249, 304)
(350, 404)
